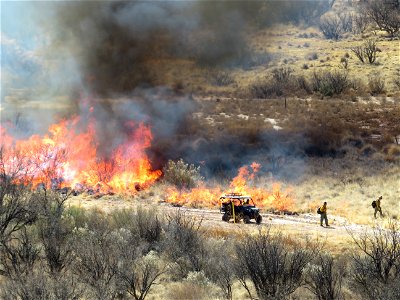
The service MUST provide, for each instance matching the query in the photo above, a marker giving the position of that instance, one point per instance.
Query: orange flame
(274, 198)
(71, 158)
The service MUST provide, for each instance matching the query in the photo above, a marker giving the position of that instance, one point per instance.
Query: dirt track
(301, 226)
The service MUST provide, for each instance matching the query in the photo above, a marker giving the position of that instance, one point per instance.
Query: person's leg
(380, 211)
(322, 218)
(376, 210)
(326, 220)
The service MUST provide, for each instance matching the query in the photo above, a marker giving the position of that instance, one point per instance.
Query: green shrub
(181, 174)
(330, 83)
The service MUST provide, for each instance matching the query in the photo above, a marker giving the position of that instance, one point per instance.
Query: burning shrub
(182, 175)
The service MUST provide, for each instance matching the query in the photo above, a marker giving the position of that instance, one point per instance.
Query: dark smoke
(121, 47)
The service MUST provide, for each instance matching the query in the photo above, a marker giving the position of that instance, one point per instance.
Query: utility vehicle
(239, 207)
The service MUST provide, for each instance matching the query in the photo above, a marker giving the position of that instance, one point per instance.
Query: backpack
(319, 211)
(373, 204)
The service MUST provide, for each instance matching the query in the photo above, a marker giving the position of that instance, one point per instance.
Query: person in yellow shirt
(323, 210)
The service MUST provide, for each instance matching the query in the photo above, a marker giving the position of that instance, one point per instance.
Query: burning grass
(68, 156)
(274, 198)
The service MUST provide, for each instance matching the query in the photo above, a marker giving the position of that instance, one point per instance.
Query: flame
(274, 198)
(65, 157)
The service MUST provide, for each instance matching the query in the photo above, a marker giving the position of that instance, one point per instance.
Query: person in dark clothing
(378, 207)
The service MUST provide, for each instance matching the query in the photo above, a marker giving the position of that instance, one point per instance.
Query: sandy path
(336, 237)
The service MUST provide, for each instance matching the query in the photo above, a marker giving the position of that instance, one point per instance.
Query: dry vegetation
(319, 110)
(54, 251)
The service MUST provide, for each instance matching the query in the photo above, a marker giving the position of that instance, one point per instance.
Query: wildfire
(274, 198)
(68, 157)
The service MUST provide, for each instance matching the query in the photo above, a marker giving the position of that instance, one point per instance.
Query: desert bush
(376, 84)
(220, 78)
(376, 271)
(18, 258)
(303, 84)
(325, 277)
(184, 244)
(144, 224)
(330, 83)
(282, 75)
(366, 52)
(275, 271)
(255, 59)
(344, 62)
(281, 83)
(96, 263)
(187, 290)
(220, 266)
(331, 27)
(55, 231)
(396, 80)
(385, 14)
(138, 274)
(359, 52)
(38, 285)
(181, 174)
(360, 22)
(346, 21)
(370, 50)
(313, 56)
(265, 89)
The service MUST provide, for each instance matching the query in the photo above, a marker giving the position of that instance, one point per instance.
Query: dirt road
(336, 237)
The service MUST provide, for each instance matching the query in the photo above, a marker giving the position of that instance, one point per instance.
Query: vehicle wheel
(246, 219)
(225, 217)
(259, 219)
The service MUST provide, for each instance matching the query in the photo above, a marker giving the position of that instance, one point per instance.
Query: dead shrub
(325, 277)
(376, 272)
(331, 27)
(385, 14)
(360, 22)
(275, 270)
(55, 232)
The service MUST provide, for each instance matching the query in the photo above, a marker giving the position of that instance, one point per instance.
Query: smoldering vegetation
(49, 250)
